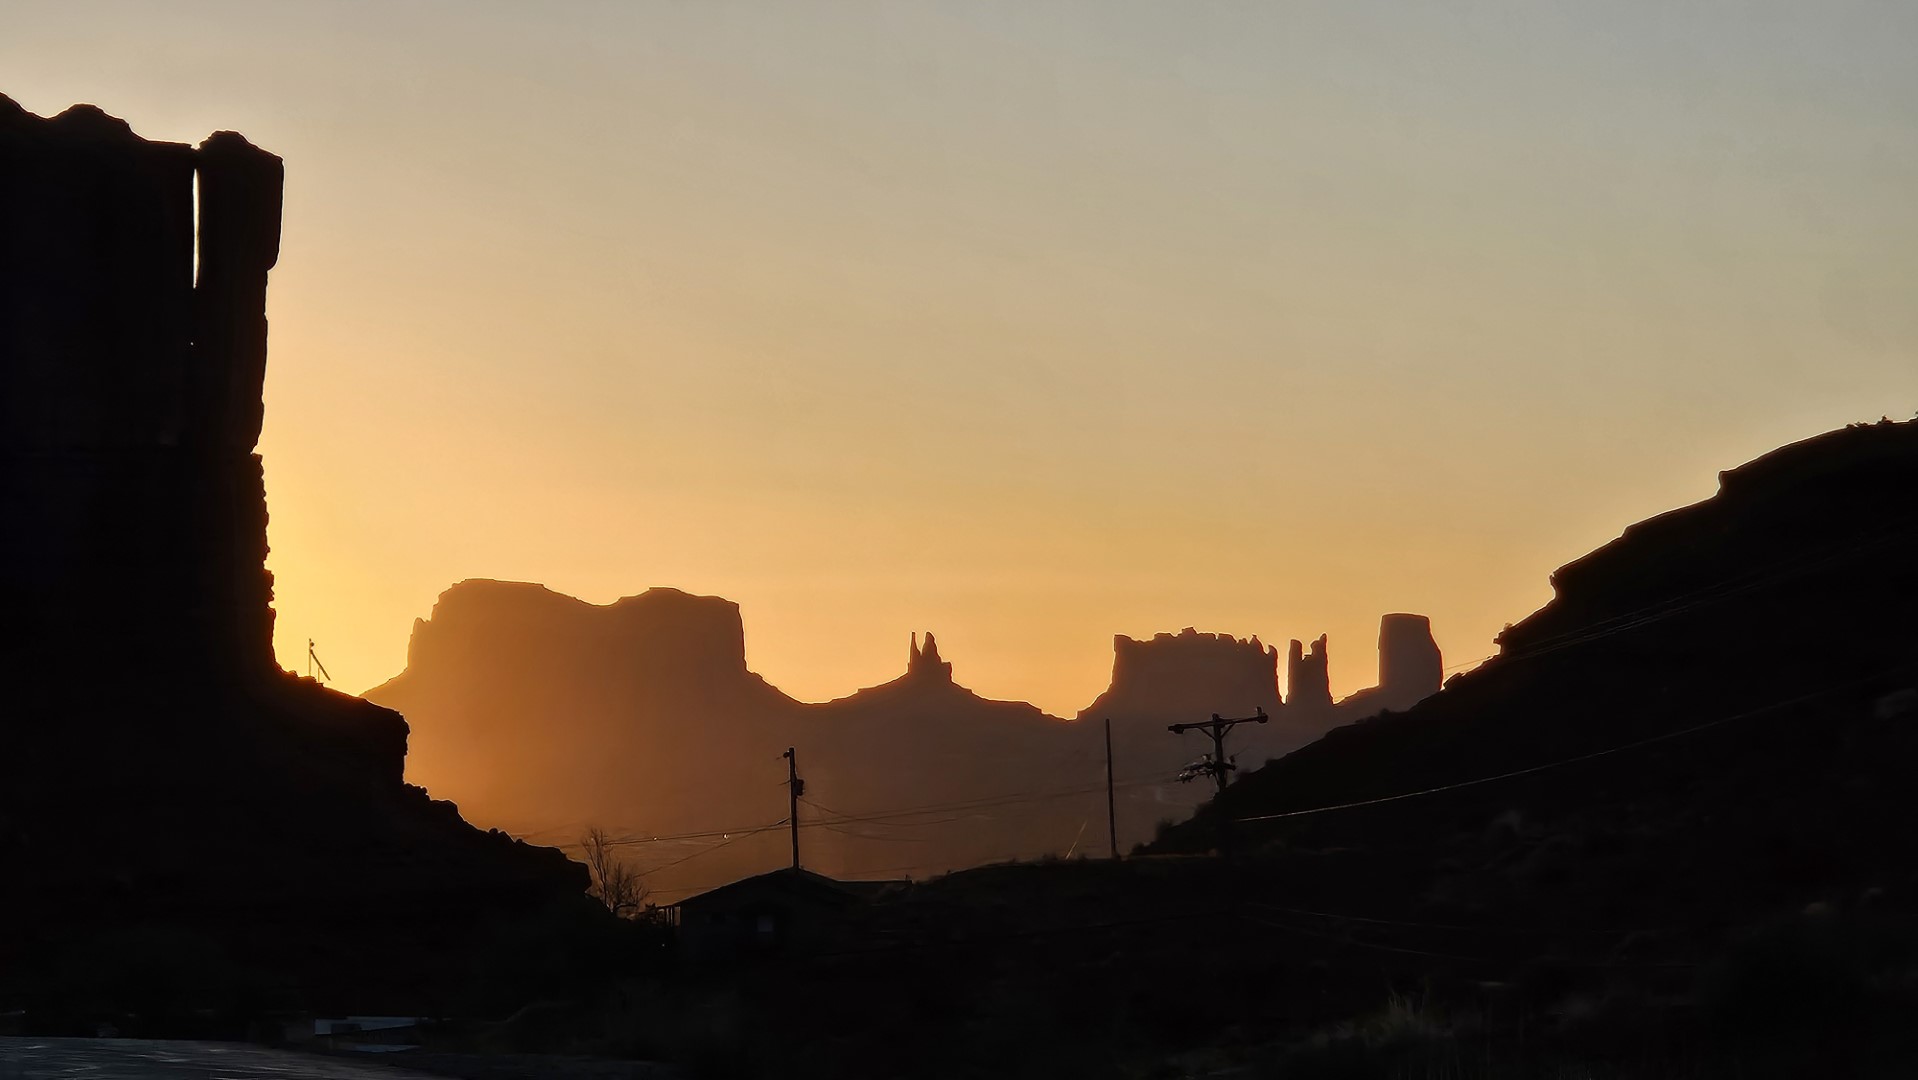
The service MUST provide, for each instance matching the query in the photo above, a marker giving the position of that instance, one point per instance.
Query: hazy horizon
(1028, 324)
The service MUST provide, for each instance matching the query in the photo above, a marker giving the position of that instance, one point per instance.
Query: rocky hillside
(1710, 720)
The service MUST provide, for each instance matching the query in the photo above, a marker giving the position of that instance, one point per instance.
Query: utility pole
(1217, 765)
(1217, 727)
(1112, 816)
(795, 787)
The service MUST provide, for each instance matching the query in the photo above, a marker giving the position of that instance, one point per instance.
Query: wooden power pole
(1217, 727)
(1217, 765)
(795, 787)
(1112, 815)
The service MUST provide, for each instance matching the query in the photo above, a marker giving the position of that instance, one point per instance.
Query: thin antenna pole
(313, 661)
(1112, 815)
(794, 788)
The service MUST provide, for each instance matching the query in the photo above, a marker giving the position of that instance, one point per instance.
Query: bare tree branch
(615, 883)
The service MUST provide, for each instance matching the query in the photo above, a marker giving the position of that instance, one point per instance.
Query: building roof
(792, 881)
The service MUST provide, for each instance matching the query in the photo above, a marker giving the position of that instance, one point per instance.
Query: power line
(829, 827)
(1774, 707)
(1460, 957)
(1699, 597)
(712, 848)
(986, 803)
(1458, 927)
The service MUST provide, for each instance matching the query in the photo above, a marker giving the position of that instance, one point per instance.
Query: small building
(368, 1034)
(785, 913)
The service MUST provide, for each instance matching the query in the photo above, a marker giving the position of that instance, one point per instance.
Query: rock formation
(544, 712)
(132, 396)
(1187, 676)
(160, 769)
(1688, 734)
(1308, 677)
(1410, 668)
(926, 664)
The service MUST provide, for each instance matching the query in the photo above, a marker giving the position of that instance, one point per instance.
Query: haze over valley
(546, 716)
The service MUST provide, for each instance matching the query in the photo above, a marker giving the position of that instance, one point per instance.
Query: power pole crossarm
(1217, 727)
(1216, 765)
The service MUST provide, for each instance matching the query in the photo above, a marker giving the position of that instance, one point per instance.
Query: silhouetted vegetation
(615, 882)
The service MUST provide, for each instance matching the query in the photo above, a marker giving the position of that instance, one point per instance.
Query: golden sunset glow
(1027, 324)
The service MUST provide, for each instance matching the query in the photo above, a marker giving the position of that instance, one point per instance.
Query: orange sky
(1028, 323)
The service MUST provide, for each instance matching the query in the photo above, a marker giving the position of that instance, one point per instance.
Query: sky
(1028, 323)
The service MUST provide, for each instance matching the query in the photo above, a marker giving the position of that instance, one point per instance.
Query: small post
(794, 787)
(1112, 815)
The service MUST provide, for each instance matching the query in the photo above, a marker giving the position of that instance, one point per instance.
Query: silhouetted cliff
(162, 775)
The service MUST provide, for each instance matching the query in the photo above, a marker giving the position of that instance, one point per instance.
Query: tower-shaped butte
(1410, 666)
(131, 371)
(157, 764)
(1308, 678)
(925, 663)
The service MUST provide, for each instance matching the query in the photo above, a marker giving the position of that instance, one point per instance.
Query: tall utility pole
(1217, 727)
(1112, 816)
(795, 787)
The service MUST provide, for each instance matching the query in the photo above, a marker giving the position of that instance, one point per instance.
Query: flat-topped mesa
(925, 663)
(1308, 677)
(661, 633)
(1179, 676)
(131, 374)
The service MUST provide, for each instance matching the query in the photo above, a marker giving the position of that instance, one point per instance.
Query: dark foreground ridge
(170, 800)
(1786, 598)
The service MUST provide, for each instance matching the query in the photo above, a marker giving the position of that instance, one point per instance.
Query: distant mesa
(1172, 677)
(542, 711)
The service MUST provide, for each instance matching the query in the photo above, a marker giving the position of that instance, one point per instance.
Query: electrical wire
(1530, 770)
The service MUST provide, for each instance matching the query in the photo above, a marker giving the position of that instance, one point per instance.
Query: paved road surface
(143, 1059)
